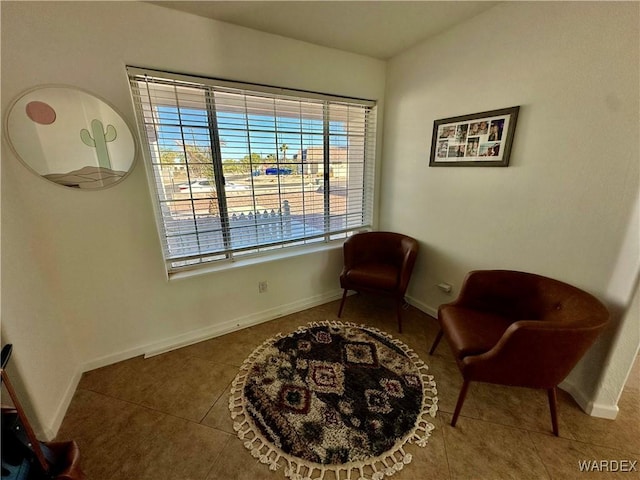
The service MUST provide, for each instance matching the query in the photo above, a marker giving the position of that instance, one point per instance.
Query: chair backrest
(527, 296)
(379, 247)
(554, 325)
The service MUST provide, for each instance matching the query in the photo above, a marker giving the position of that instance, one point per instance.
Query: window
(245, 170)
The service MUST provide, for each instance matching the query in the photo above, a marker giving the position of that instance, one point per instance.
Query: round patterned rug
(336, 397)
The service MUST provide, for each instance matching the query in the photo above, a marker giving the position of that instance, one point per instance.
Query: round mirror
(70, 137)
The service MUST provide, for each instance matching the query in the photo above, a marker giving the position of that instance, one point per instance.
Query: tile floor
(166, 417)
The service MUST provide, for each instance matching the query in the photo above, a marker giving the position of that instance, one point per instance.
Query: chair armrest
(350, 253)
(408, 261)
(531, 353)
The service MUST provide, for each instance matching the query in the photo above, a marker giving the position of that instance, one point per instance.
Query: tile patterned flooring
(166, 417)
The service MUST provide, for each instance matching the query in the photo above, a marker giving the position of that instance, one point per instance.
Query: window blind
(244, 169)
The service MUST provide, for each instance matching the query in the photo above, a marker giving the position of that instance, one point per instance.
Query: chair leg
(461, 397)
(344, 298)
(553, 400)
(436, 342)
(399, 313)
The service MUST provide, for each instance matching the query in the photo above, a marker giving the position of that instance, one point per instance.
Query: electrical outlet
(445, 287)
(262, 286)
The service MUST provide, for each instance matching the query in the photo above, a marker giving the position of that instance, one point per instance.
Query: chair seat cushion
(471, 332)
(378, 276)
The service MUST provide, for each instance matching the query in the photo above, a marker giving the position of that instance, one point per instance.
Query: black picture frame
(477, 140)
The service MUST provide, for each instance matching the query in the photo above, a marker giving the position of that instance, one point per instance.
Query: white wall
(563, 207)
(83, 278)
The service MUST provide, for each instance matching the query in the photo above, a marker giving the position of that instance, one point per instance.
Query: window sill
(221, 266)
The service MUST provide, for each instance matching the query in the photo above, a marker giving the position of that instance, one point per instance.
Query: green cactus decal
(99, 140)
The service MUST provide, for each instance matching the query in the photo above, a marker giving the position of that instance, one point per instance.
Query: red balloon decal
(41, 113)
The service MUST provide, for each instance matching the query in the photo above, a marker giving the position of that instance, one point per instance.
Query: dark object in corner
(24, 457)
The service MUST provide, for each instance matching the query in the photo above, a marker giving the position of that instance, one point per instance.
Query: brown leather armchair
(519, 329)
(378, 262)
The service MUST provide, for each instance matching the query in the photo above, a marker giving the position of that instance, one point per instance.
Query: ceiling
(379, 29)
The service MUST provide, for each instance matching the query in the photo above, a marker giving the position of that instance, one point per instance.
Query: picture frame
(477, 140)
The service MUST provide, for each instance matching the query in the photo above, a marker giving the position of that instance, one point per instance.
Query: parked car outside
(234, 187)
(201, 185)
(277, 171)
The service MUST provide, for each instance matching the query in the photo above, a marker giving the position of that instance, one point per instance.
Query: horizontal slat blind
(241, 172)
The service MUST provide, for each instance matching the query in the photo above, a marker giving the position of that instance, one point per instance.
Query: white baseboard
(423, 307)
(219, 329)
(50, 431)
(609, 412)
(201, 334)
(112, 358)
(599, 410)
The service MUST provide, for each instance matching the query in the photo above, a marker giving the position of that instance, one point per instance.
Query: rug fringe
(376, 468)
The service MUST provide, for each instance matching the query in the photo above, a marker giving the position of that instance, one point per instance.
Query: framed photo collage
(479, 139)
